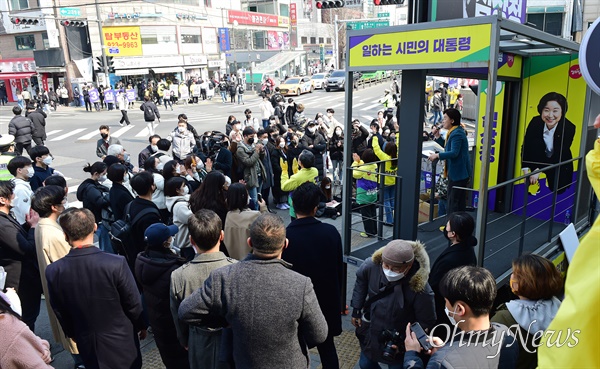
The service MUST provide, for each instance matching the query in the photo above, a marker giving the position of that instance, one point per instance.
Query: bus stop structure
(517, 65)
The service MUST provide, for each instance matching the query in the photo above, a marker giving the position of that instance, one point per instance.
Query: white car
(319, 80)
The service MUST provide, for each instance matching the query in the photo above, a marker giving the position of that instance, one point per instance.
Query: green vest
(4, 173)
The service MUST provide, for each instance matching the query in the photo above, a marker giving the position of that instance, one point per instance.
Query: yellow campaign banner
(511, 67)
(441, 45)
(122, 41)
(496, 133)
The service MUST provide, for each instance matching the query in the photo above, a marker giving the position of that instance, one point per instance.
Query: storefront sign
(194, 60)
(148, 62)
(293, 14)
(17, 65)
(209, 40)
(224, 44)
(283, 22)
(251, 18)
(122, 41)
(216, 63)
(467, 44)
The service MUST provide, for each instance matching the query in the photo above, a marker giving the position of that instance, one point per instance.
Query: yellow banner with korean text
(122, 41)
(432, 46)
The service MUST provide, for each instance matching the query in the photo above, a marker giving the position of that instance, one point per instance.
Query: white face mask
(186, 190)
(30, 172)
(154, 148)
(451, 318)
(338, 132)
(392, 276)
(160, 166)
(327, 187)
(265, 141)
(126, 178)
(47, 160)
(282, 144)
(102, 178)
(312, 129)
(181, 129)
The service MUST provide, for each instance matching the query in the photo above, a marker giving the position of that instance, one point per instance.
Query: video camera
(211, 142)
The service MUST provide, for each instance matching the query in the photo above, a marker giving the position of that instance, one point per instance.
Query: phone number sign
(122, 41)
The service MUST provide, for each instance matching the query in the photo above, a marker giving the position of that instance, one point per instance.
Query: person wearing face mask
(42, 170)
(95, 197)
(49, 203)
(316, 143)
(20, 167)
(469, 294)
(249, 158)
(336, 153)
(123, 157)
(459, 232)
(105, 141)
(183, 141)
(391, 291)
(278, 155)
(267, 110)
(18, 255)
(250, 121)
(268, 180)
(153, 269)
(177, 196)
(158, 196)
(150, 150)
(120, 195)
(236, 132)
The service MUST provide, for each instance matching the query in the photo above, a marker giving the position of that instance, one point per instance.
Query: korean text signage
(467, 44)
(293, 14)
(70, 12)
(224, 44)
(122, 41)
(251, 18)
(368, 24)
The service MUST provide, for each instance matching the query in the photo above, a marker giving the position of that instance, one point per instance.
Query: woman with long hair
(211, 195)
(336, 153)
(280, 152)
(239, 218)
(389, 154)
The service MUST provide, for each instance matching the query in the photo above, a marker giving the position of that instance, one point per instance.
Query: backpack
(120, 232)
(107, 214)
(148, 113)
(170, 219)
(240, 89)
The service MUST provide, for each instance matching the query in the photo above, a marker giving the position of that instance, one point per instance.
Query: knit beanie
(398, 253)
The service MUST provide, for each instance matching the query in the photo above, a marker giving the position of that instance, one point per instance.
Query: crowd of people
(185, 242)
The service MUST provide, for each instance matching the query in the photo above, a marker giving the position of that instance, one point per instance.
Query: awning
(132, 72)
(51, 69)
(168, 70)
(16, 75)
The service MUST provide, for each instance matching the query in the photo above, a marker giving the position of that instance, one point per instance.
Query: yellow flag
(579, 313)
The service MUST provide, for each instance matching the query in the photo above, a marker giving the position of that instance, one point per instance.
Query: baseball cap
(158, 233)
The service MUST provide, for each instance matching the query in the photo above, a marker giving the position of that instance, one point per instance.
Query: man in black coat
(315, 251)
(18, 256)
(95, 298)
(143, 184)
(150, 150)
(23, 129)
(38, 118)
(316, 143)
(224, 158)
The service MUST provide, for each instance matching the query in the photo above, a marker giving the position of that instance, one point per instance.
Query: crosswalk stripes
(371, 107)
(69, 134)
(144, 132)
(357, 105)
(53, 132)
(121, 131)
(88, 136)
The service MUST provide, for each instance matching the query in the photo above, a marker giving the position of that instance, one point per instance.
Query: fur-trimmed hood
(419, 277)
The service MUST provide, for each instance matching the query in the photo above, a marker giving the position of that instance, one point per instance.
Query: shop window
(303, 40)
(329, 40)
(191, 39)
(321, 40)
(19, 4)
(548, 22)
(45, 40)
(313, 40)
(25, 42)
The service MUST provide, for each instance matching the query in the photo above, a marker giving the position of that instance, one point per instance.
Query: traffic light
(388, 2)
(99, 65)
(111, 64)
(24, 21)
(330, 4)
(72, 23)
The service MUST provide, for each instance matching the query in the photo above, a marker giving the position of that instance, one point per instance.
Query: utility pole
(337, 45)
(104, 60)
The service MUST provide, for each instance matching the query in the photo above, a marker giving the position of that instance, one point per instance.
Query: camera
(391, 337)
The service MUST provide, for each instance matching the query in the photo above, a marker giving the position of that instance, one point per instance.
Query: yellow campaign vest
(4, 173)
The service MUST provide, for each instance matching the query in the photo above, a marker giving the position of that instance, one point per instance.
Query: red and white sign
(251, 18)
(293, 14)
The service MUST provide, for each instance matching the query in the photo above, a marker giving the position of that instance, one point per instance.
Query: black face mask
(248, 116)
(104, 135)
(250, 140)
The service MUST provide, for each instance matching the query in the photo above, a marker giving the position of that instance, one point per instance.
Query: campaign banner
(224, 42)
(109, 96)
(450, 45)
(184, 92)
(130, 94)
(94, 95)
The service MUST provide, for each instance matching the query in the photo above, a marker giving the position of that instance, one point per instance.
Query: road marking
(368, 117)
(144, 132)
(73, 189)
(120, 132)
(335, 105)
(68, 134)
(357, 105)
(88, 136)
(371, 106)
(53, 132)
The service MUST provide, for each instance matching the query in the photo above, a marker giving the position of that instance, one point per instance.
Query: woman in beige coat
(49, 203)
(238, 220)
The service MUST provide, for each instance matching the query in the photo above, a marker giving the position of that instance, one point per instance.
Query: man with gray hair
(273, 311)
(124, 157)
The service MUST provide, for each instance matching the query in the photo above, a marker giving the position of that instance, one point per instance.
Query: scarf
(537, 314)
(445, 145)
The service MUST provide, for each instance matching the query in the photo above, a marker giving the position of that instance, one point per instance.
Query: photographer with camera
(391, 290)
